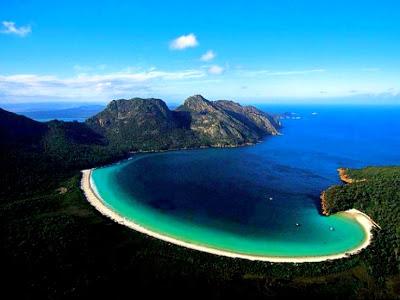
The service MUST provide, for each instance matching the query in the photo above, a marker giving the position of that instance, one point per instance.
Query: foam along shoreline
(95, 200)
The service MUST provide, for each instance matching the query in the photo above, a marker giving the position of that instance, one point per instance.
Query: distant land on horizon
(44, 103)
(80, 111)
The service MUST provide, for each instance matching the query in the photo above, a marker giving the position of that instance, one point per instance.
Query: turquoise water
(220, 198)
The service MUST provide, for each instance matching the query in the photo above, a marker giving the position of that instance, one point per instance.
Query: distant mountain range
(79, 113)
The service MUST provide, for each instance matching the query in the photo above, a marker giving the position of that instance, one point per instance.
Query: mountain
(148, 124)
(257, 120)
(142, 124)
(226, 123)
(19, 130)
(35, 152)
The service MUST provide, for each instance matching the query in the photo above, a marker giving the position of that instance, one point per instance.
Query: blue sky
(252, 51)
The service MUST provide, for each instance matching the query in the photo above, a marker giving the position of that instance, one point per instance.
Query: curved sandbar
(95, 200)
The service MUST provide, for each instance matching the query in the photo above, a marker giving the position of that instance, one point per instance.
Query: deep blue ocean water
(249, 199)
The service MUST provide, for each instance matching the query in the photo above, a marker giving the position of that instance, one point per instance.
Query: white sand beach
(95, 200)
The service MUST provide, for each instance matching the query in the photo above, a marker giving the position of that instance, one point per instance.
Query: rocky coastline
(345, 178)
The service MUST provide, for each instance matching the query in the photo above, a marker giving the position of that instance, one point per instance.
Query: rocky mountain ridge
(198, 122)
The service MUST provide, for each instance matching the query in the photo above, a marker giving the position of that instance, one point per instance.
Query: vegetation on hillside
(54, 244)
(375, 191)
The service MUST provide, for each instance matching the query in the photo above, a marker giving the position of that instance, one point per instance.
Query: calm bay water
(249, 199)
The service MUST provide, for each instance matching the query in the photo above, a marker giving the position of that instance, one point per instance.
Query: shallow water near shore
(258, 200)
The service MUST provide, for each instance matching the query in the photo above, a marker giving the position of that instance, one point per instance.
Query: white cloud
(184, 41)
(280, 73)
(10, 28)
(209, 55)
(104, 86)
(215, 70)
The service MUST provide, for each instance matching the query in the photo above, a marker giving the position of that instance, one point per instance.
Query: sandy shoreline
(92, 196)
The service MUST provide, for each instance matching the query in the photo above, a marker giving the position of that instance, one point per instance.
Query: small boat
(332, 228)
(270, 198)
(298, 224)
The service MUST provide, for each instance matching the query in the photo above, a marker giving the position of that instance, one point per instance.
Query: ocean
(261, 199)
